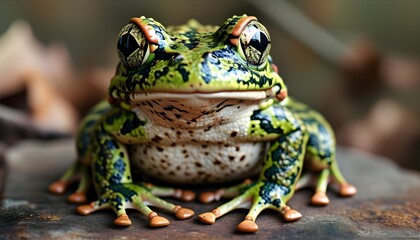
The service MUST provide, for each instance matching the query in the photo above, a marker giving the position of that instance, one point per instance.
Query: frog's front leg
(275, 186)
(113, 181)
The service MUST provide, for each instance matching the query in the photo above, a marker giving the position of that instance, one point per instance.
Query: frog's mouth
(197, 109)
(227, 95)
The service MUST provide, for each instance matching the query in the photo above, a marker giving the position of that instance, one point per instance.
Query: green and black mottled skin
(195, 59)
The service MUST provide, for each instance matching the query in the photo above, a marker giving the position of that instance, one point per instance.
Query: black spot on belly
(156, 139)
(217, 162)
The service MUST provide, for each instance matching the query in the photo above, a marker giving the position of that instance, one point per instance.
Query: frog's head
(192, 74)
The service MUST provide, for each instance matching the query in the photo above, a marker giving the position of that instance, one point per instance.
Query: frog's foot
(347, 190)
(77, 197)
(76, 173)
(124, 196)
(320, 197)
(258, 197)
(58, 187)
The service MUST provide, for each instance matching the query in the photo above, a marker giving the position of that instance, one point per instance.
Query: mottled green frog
(195, 104)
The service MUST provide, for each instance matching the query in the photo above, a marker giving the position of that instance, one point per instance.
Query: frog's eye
(254, 43)
(133, 48)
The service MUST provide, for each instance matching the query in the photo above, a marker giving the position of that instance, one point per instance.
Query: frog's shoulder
(307, 115)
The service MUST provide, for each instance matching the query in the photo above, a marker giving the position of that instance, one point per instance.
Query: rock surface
(386, 206)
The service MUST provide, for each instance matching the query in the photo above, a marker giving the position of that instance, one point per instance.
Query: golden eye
(255, 43)
(133, 48)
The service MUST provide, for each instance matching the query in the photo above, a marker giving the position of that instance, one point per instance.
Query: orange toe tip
(123, 220)
(84, 210)
(292, 215)
(187, 196)
(208, 218)
(347, 190)
(320, 199)
(77, 197)
(184, 213)
(58, 187)
(158, 221)
(207, 197)
(247, 226)
(247, 181)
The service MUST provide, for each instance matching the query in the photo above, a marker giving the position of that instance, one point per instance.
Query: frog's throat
(240, 95)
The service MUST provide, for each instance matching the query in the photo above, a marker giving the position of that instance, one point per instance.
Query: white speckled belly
(199, 163)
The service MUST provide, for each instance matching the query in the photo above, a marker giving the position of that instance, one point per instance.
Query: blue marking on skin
(116, 178)
(111, 144)
(119, 166)
(266, 193)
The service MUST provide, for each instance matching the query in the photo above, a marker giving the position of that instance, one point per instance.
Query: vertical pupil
(259, 41)
(127, 44)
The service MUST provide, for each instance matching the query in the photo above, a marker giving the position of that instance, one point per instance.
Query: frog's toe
(183, 213)
(320, 199)
(58, 187)
(123, 220)
(291, 214)
(347, 190)
(85, 209)
(186, 195)
(208, 197)
(157, 221)
(92, 207)
(247, 226)
(207, 217)
(77, 197)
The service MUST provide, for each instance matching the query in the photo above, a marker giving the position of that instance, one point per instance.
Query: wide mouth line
(242, 95)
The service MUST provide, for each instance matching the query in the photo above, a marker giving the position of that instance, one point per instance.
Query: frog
(200, 104)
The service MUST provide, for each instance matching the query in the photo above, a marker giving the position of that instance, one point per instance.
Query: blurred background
(357, 62)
